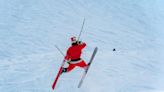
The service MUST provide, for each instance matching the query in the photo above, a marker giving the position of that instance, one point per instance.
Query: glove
(79, 42)
(68, 62)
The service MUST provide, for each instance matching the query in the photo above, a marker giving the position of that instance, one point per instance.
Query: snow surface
(30, 29)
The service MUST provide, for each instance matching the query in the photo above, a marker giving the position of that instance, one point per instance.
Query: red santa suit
(73, 56)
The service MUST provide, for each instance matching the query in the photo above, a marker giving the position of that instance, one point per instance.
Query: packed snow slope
(30, 29)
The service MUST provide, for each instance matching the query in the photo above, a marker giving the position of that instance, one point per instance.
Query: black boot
(64, 70)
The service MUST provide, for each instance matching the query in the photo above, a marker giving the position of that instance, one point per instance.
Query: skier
(73, 56)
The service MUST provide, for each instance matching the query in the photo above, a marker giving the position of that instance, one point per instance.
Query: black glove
(79, 42)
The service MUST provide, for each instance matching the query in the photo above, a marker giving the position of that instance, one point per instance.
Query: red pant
(81, 64)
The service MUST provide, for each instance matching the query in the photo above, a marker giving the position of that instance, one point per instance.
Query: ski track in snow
(30, 29)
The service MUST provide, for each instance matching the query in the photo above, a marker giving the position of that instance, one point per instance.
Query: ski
(58, 75)
(89, 64)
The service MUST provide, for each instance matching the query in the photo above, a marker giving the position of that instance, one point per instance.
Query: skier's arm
(81, 44)
(67, 57)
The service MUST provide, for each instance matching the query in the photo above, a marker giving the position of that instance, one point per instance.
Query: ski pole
(81, 30)
(59, 50)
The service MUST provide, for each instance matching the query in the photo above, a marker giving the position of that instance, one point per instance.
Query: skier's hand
(79, 42)
(68, 62)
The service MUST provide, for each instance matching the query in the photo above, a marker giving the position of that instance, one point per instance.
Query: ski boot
(64, 70)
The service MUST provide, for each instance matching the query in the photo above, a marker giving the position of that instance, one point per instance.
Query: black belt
(75, 59)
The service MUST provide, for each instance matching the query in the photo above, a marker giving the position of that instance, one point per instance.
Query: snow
(30, 29)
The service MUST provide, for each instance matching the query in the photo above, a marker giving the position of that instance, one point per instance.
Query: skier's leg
(82, 64)
(70, 67)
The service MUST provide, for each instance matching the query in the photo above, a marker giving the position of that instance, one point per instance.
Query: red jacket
(74, 52)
